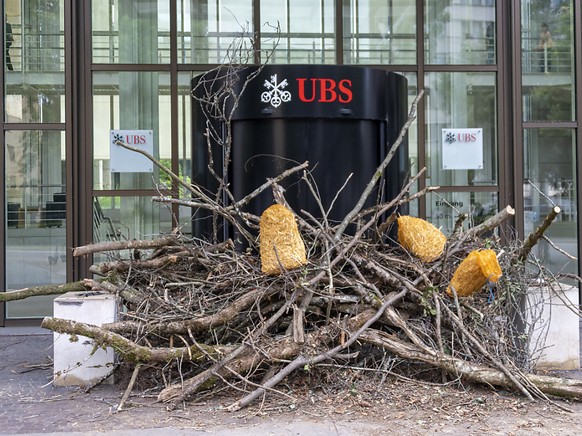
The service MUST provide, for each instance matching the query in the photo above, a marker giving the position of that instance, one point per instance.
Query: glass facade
(459, 32)
(36, 222)
(550, 167)
(130, 32)
(379, 32)
(307, 31)
(443, 209)
(34, 89)
(118, 218)
(35, 155)
(467, 101)
(72, 74)
(206, 28)
(548, 61)
(129, 100)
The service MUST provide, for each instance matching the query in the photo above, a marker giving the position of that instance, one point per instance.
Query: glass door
(35, 217)
(549, 135)
(35, 190)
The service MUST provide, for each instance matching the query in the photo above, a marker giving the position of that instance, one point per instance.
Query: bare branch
(380, 170)
(534, 237)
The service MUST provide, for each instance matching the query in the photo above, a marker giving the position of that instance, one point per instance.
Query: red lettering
(135, 139)
(327, 90)
(301, 90)
(466, 137)
(345, 89)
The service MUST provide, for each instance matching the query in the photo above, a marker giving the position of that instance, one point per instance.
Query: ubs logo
(451, 138)
(275, 93)
(312, 90)
(130, 139)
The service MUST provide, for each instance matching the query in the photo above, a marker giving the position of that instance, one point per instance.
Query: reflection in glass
(185, 124)
(547, 61)
(131, 31)
(380, 32)
(443, 208)
(307, 31)
(413, 130)
(550, 179)
(460, 101)
(35, 62)
(129, 101)
(128, 217)
(459, 32)
(412, 141)
(35, 216)
(207, 28)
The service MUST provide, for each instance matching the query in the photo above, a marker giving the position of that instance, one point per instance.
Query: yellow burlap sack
(474, 272)
(281, 245)
(420, 238)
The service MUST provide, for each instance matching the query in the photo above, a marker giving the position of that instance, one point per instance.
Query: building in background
(77, 69)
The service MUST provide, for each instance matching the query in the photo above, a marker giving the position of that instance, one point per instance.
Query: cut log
(535, 236)
(491, 223)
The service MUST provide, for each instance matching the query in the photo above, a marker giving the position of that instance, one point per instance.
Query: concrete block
(555, 339)
(75, 363)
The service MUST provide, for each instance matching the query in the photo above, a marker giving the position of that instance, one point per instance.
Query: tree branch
(535, 236)
(380, 170)
(36, 291)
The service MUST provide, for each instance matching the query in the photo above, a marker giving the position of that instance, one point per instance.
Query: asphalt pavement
(31, 405)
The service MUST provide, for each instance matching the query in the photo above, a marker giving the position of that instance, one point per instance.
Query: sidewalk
(31, 405)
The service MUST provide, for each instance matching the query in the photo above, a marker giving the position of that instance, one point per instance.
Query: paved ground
(30, 404)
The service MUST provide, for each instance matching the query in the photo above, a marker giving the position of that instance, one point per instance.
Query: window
(380, 32)
(459, 32)
(307, 31)
(207, 28)
(461, 101)
(130, 32)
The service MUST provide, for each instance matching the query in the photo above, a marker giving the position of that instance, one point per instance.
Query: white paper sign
(123, 160)
(462, 149)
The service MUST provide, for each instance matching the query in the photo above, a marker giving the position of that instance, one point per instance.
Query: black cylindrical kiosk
(342, 119)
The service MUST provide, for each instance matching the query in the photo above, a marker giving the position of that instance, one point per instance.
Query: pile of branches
(204, 316)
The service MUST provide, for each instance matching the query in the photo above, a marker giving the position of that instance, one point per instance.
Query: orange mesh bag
(281, 245)
(421, 238)
(474, 272)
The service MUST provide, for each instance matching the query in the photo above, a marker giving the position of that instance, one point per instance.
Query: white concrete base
(75, 363)
(556, 335)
